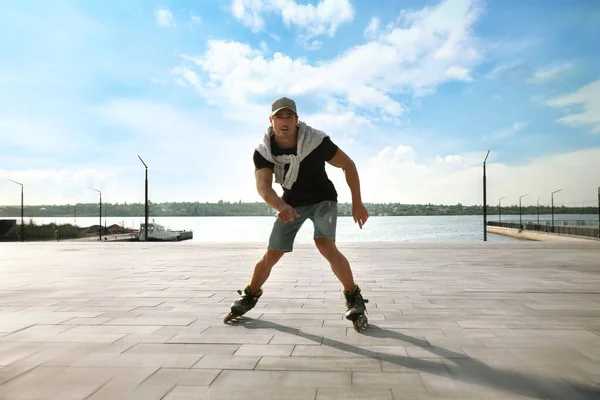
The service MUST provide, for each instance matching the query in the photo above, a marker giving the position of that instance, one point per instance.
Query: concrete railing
(572, 230)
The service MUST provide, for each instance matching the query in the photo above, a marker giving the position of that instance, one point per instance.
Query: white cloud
(372, 30)
(459, 73)
(191, 155)
(248, 12)
(184, 149)
(343, 125)
(81, 177)
(400, 175)
(37, 134)
(449, 159)
(552, 72)
(507, 132)
(323, 19)
(424, 49)
(58, 186)
(588, 98)
(314, 45)
(198, 156)
(164, 17)
(196, 20)
(263, 46)
(504, 68)
(188, 76)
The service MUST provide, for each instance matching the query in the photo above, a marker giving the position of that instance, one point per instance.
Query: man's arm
(341, 160)
(359, 211)
(264, 185)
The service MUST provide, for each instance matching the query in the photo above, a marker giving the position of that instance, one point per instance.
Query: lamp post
(500, 208)
(100, 221)
(598, 211)
(552, 200)
(485, 200)
(145, 203)
(538, 211)
(520, 219)
(22, 219)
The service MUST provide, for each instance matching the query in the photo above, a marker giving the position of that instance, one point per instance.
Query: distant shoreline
(27, 217)
(56, 231)
(239, 209)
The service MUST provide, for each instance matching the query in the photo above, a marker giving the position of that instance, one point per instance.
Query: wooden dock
(484, 320)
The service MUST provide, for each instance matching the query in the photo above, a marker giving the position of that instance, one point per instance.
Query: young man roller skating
(295, 154)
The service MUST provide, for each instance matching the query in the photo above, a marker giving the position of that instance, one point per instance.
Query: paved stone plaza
(495, 320)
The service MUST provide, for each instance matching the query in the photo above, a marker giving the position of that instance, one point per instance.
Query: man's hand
(360, 214)
(286, 213)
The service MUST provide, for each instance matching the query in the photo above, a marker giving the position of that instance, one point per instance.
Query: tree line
(225, 208)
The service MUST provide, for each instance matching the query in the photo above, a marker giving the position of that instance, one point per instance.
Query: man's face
(284, 123)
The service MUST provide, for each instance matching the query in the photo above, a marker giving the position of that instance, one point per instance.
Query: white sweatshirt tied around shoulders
(309, 139)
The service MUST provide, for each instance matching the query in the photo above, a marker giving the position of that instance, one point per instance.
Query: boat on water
(158, 233)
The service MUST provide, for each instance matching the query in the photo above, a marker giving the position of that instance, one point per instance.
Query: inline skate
(355, 309)
(245, 303)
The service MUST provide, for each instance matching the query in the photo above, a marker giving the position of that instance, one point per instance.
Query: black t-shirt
(312, 185)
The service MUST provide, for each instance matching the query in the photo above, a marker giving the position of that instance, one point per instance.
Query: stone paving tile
(182, 392)
(176, 348)
(9, 358)
(63, 338)
(181, 376)
(219, 361)
(114, 329)
(461, 320)
(87, 321)
(409, 382)
(221, 338)
(324, 331)
(349, 351)
(189, 329)
(287, 338)
(129, 384)
(412, 364)
(129, 360)
(287, 324)
(152, 320)
(318, 364)
(265, 350)
(460, 333)
(56, 382)
(289, 379)
(354, 394)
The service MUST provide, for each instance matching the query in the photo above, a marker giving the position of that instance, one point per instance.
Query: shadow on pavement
(465, 369)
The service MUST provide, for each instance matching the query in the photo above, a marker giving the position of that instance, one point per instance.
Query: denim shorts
(324, 218)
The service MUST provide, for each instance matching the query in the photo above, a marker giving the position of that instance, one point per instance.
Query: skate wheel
(361, 323)
(230, 317)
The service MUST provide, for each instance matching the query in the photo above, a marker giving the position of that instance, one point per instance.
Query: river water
(377, 229)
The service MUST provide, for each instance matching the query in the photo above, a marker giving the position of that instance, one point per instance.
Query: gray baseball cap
(282, 103)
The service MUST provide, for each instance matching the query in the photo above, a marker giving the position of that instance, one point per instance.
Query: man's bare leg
(339, 263)
(355, 304)
(263, 267)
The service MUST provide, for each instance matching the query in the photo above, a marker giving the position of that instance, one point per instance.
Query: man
(296, 154)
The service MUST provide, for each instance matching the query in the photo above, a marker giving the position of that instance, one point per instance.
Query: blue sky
(415, 92)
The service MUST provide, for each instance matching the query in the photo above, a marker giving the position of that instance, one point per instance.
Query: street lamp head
(556, 191)
(15, 182)
(486, 157)
(143, 162)
(524, 195)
